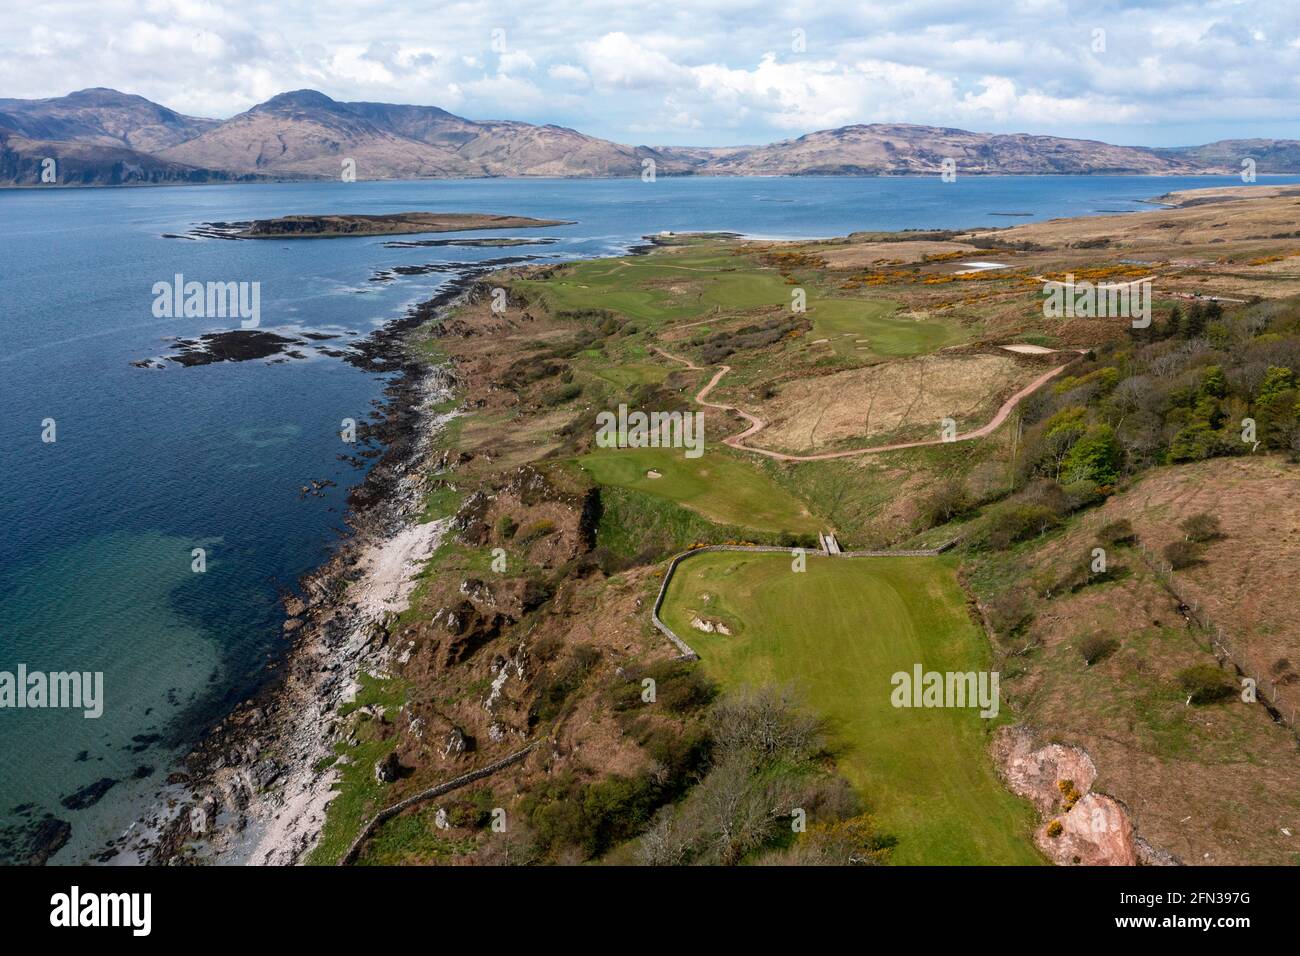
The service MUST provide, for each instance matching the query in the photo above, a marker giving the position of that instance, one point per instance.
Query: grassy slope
(714, 485)
(838, 632)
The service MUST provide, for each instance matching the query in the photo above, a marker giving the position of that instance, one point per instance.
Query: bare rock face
(1095, 832)
(1080, 826)
(387, 768)
(1035, 774)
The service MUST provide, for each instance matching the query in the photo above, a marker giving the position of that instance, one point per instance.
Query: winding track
(757, 424)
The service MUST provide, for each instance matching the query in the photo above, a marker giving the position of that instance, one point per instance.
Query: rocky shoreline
(255, 787)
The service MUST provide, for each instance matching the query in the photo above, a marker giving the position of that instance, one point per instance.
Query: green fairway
(714, 485)
(874, 324)
(662, 289)
(838, 632)
(659, 289)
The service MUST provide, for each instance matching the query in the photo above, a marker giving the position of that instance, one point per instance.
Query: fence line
(429, 794)
(1164, 573)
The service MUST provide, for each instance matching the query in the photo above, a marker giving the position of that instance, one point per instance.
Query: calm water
(98, 526)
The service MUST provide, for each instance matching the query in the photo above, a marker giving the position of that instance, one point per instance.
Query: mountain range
(104, 137)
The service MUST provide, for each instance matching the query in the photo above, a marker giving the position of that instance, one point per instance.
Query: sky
(701, 72)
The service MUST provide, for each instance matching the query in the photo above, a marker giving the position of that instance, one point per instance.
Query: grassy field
(661, 290)
(714, 485)
(838, 632)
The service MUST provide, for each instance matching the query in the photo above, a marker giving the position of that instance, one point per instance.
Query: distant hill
(307, 133)
(903, 149)
(1270, 155)
(102, 117)
(86, 164)
(103, 137)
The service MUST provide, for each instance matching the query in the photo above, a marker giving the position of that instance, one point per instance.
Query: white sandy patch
(981, 267)
(285, 827)
(1027, 349)
(388, 569)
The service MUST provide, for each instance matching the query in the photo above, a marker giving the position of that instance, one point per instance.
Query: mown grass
(838, 632)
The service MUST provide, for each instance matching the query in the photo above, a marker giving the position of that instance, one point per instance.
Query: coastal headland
(497, 594)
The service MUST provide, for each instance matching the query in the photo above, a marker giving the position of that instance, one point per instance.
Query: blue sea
(148, 464)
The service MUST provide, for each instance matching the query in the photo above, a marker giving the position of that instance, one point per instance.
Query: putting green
(838, 632)
(713, 485)
(859, 327)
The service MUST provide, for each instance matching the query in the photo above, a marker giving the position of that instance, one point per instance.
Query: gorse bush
(1095, 647)
(1205, 684)
(1201, 527)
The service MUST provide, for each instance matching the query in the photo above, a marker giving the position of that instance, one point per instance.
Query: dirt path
(757, 424)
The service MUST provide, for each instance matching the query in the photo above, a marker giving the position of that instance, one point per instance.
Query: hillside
(308, 134)
(305, 134)
(102, 117)
(88, 164)
(904, 149)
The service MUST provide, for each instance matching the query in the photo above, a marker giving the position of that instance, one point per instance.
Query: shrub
(1055, 829)
(1181, 554)
(1201, 527)
(562, 394)
(1010, 522)
(557, 684)
(680, 687)
(536, 529)
(1116, 532)
(1010, 612)
(1096, 647)
(506, 527)
(947, 501)
(1205, 684)
(1069, 794)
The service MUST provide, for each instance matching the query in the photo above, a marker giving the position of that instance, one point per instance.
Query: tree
(1276, 379)
(1213, 383)
(1194, 322)
(1175, 324)
(1194, 441)
(1095, 457)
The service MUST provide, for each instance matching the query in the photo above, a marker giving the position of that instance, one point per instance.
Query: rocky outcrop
(1080, 827)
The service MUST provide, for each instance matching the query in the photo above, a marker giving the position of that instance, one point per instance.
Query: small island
(333, 226)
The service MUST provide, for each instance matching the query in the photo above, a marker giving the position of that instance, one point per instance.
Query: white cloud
(515, 61)
(710, 71)
(569, 74)
(616, 60)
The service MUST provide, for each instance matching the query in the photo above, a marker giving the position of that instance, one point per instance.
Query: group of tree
(1208, 384)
